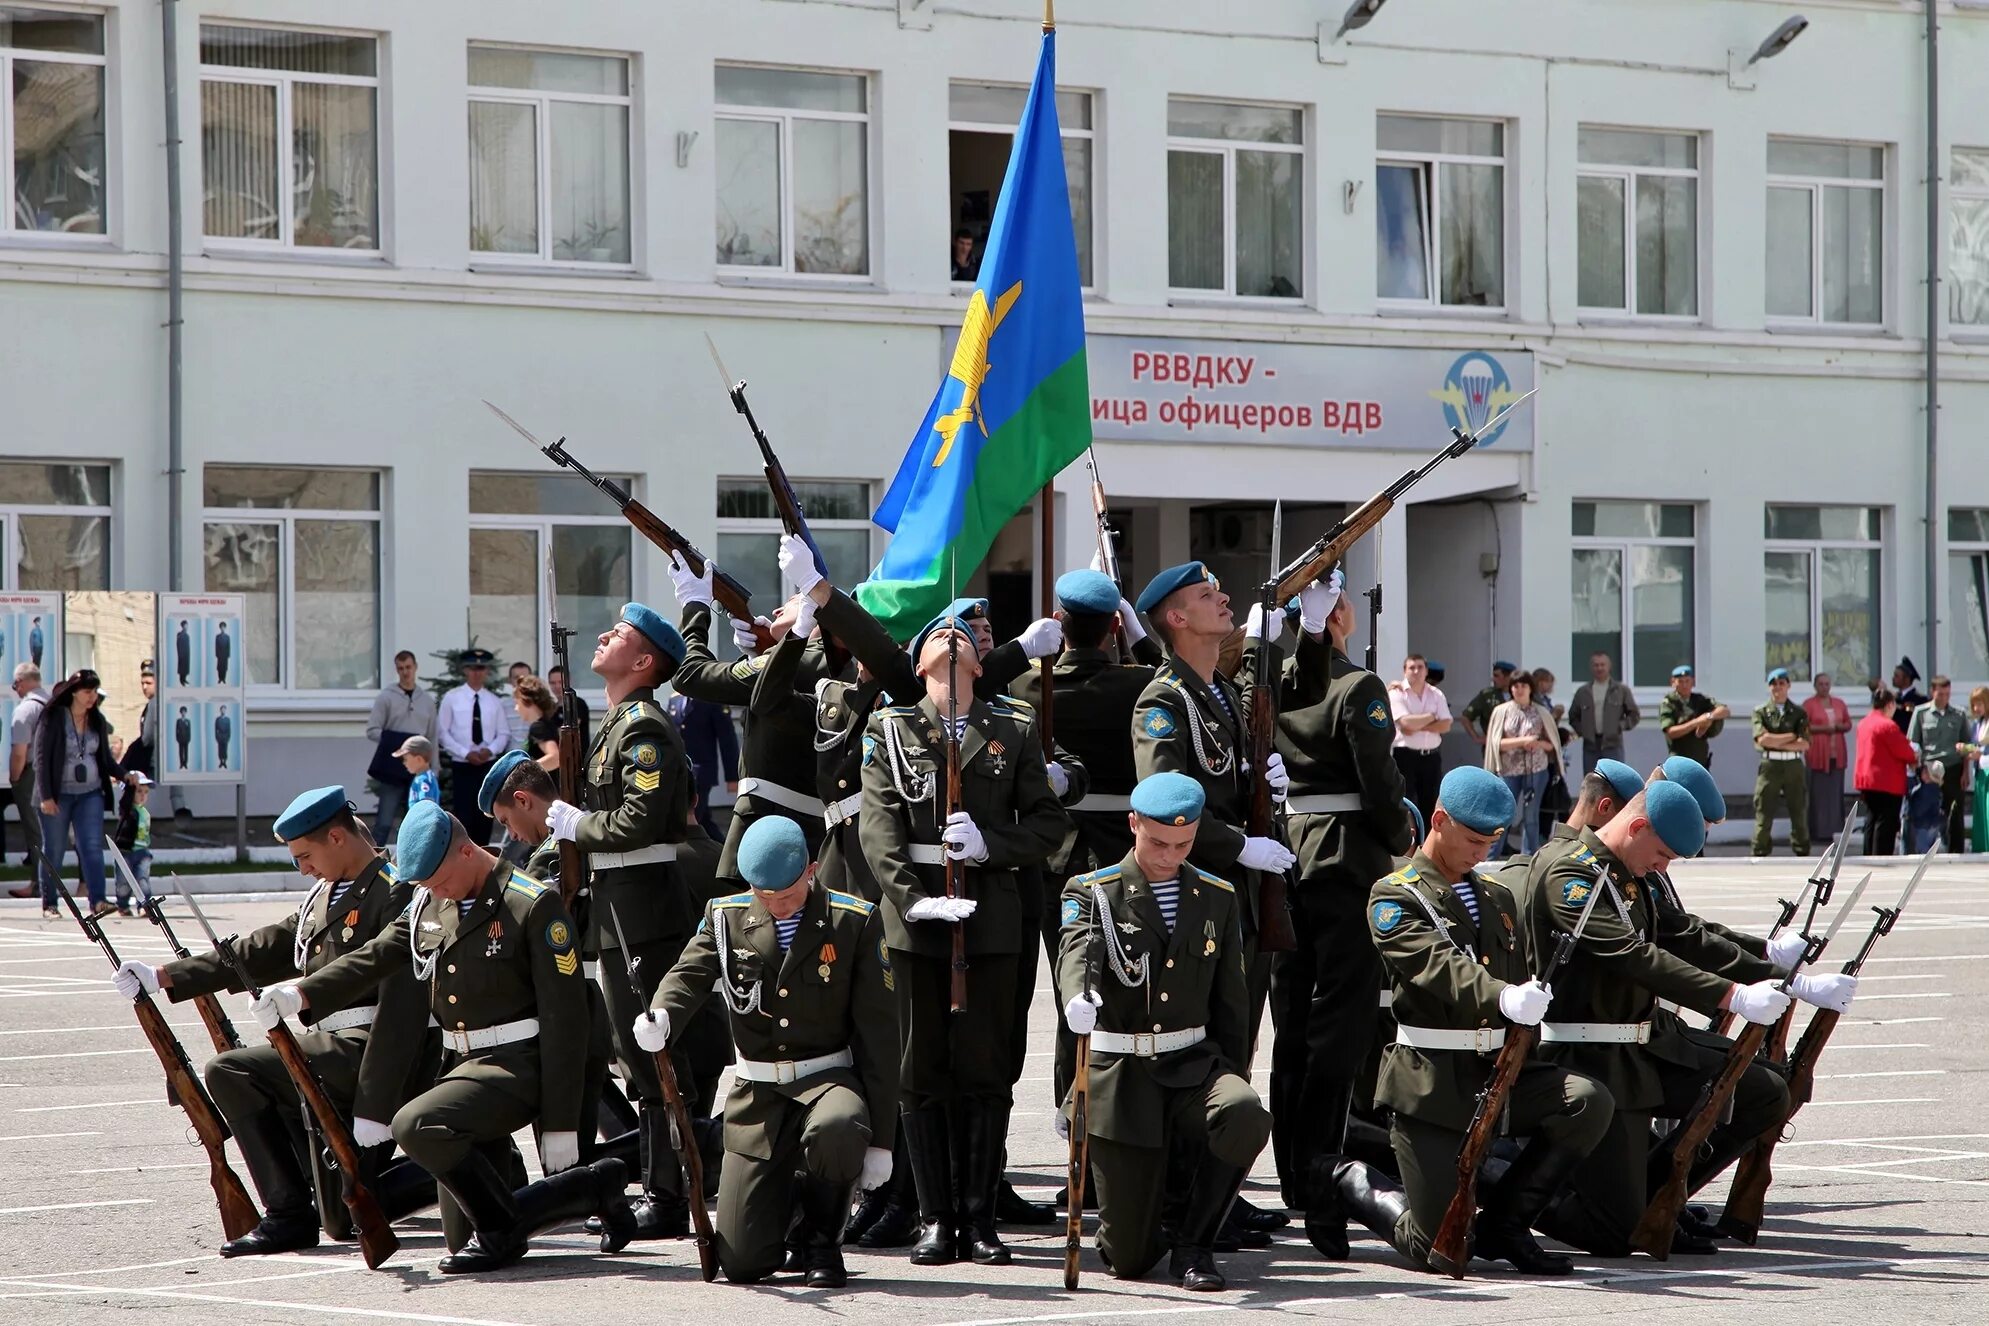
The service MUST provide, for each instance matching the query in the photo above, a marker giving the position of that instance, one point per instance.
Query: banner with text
(1146, 389)
(202, 729)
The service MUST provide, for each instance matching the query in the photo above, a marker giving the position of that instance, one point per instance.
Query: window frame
(1226, 149)
(1064, 133)
(11, 513)
(721, 643)
(284, 81)
(542, 526)
(1629, 175)
(286, 519)
(1624, 666)
(1432, 163)
(1963, 548)
(1813, 550)
(1815, 185)
(783, 118)
(541, 102)
(12, 235)
(1963, 330)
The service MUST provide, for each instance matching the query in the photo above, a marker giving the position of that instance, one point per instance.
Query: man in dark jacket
(713, 745)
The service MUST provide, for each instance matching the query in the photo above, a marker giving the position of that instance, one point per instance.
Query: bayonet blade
(1914, 883)
(1844, 912)
(621, 937)
(552, 594)
(521, 430)
(1588, 908)
(198, 915)
(1500, 417)
(1277, 536)
(731, 383)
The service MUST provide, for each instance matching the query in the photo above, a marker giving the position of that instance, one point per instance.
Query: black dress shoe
(275, 1234)
(1497, 1240)
(661, 1217)
(897, 1226)
(1253, 1216)
(1699, 1223)
(938, 1244)
(796, 1260)
(1327, 1231)
(477, 1256)
(1686, 1243)
(1012, 1208)
(1196, 1270)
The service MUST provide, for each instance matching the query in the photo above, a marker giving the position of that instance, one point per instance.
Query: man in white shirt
(471, 729)
(1422, 716)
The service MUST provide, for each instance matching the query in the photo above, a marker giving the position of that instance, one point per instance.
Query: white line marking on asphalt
(272, 1259)
(146, 1169)
(19, 962)
(330, 1309)
(1910, 1137)
(1888, 1174)
(1935, 957)
(108, 1026)
(1885, 1022)
(99, 1105)
(1917, 994)
(1897, 1072)
(1899, 1100)
(1894, 1045)
(72, 1054)
(72, 1206)
(36, 1137)
(1916, 976)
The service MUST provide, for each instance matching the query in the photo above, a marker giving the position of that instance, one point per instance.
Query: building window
(1633, 588)
(1440, 211)
(55, 525)
(1637, 211)
(549, 156)
(1968, 237)
(1821, 566)
(793, 171)
(1235, 199)
(303, 546)
(749, 533)
(514, 518)
(290, 152)
(1968, 594)
(979, 138)
(1826, 232)
(52, 121)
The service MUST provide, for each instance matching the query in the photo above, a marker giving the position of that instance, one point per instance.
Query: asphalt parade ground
(1878, 1213)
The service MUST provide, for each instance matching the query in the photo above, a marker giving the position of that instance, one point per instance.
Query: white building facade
(1306, 255)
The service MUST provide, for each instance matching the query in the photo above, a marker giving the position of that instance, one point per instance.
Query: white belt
(790, 1070)
(591, 970)
(1105, 801)
(835, 813)
(1147, 1044)
(1596, 1033)
(489, 1038)
(347, 1017)
(1329, 803)
(1481, 1039)
(641, 856)
(1668, 1006)
(1388, 999)
(926, 854)
(1781, 755)
(762, 790)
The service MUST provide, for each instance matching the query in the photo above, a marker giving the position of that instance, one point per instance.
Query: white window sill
(364, 258)
(778, 280)
(1216, 299)
(487, 265)
(1480, 312)
(1617, 318)
(55, 241)
(1866, 330)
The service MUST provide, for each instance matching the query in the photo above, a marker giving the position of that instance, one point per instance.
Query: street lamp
(1358, 15)
(1778, 41)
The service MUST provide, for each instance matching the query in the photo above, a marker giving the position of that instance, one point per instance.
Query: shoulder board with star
(646, 711)
(844, 902)
(734, 900)
(1216, 880)
(524, 886)
(1011, 702)
(1582, 855)
(1404, 877)
(900, 710)
(1105, 876)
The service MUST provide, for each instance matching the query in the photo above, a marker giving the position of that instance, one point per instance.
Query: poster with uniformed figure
(30, 632)
(203, 734)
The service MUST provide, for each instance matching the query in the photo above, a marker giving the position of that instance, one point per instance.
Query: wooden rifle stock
(1747, 1197)
(1450, 1251)
(687, 1151)
(1275, 933)
(1078, 1170)
(1654, 1232)
(572, 864)
(956, 870)
(219, 1029)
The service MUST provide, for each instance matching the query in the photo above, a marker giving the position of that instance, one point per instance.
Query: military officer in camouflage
(807, 979)
(1479, 711)
(1781, 734)
(498, 957)
(1463, 970)
(1152, 960)
(1690, 720)
(370, 1050)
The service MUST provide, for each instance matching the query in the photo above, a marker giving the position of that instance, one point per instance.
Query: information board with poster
(30, 632)
(114, 633)
(203, 735)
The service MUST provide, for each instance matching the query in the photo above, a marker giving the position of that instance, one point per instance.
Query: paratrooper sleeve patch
(646, 755)
(1071, 911)
(1377, 713)
(1386, 916)
(1158, 724)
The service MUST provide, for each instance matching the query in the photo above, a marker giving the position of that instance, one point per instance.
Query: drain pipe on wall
(175, 281)
(1934, 513)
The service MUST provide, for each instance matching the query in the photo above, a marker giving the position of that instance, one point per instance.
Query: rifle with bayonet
(1108, 545)
(219, 1029)
(376, 1235)
(956, 869)
(728, 592)
(1450, 1251)
(572, 865)
(1815, 892)
(787, 504)
(183, 1085)
(1654, 1232)
(1747, 1197)
(1275, 933)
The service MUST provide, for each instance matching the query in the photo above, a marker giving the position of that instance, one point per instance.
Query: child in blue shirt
(417, 756)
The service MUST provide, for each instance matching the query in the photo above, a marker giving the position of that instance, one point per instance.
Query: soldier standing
(807, 978)
(1479, 712)
(1689, 720)
(1152, 953)
(1781, 734)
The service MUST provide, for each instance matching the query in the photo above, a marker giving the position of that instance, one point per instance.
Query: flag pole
(1047, 558)
(1049, 15)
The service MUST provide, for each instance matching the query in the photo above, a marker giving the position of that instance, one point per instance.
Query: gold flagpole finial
(1049, 15)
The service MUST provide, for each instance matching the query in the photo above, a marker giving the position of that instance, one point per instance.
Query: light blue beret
(1088, 591)
(494, 780)
(1682, 670)
(1173, 578)
(772, 853)
(424, 841)
(1623, 780)
(1169, 798)
(1779, 674)
(961, 611)
(1477, 798)
(657, 631)
(1674, 813)
(1503, 666)
(1695, 778)
(1415, 817)
(310, 811)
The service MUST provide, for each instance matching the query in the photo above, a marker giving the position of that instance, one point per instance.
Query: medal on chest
(496, 933)
(1208, 939)
(828, 961)
(997, 758)
(351, 920)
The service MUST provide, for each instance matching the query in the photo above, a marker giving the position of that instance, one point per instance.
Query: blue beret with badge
(423, 842)
(1674, 813)
(1088, 591)
(1682, 670)
(654, 629)
(772, 853)
(1477, 798)
(1173, 578)
(1697, 779)
(1624, 781)
(310, 811)
(959, 612)
(494, 780)
(1779, 674)
(1169, 798)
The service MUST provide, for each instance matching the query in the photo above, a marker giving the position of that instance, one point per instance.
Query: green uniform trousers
(1551, 1104)
(950, 1056)
(247, 1081)
(756, 1197)
(473, 1106)
(1781, 787)
(1223, 1117)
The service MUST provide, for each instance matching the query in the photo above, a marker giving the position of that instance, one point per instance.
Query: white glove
(963, 838)
(1265, 854)
(1275, 775)
(804, 619)
(1081, 1013)
(371, 1132)
(1525, 1004)
(558, 1151)
(1061, 1122)
(941, 909)
(563, 820)
(746, 636)
(1760, 1003)
(277, 1003)
(691, 588)
(135, 978)
(876, 1168)
(1042, 637)
(1129, 624)
(652, 1030)
(797, 563)
(1832, 990)
(1254, 627)
(1317, 601)
(1784, 949)
(1059, 780)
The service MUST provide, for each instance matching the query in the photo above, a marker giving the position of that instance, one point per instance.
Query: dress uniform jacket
(639, 786)
(1339, 745)
(1095, 698)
